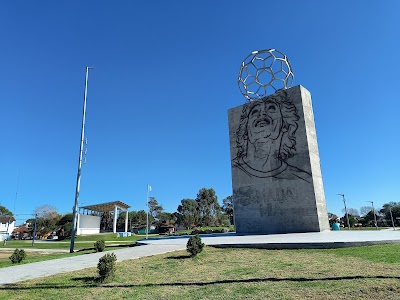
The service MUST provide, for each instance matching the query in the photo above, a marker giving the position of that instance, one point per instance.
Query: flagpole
(147, 212)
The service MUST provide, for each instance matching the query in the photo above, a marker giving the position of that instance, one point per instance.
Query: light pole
(8, 226)
(78, 177)
(373, 210)
(391, 217)
(147, 212)
(345, 209)
(34, 231)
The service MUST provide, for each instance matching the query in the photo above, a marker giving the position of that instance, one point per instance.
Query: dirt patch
(5, 254)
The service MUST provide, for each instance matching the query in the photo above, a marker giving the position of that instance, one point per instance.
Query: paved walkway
(51, 267)
(330, 239)
(321, 240)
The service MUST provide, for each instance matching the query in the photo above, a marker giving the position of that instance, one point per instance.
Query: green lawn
(82, 245)
(36, 256)
(81, 242)
(370, 272)
(366, 228)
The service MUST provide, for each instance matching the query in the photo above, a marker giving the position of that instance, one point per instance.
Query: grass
(82, 245)
(365, 228)
(81, 242)
(351, 273)
(389, 253)
(188, 231)
(35, 257)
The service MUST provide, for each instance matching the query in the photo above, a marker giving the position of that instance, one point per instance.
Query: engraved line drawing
(266, 138)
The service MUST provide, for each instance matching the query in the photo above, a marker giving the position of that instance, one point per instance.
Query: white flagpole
(147, 213)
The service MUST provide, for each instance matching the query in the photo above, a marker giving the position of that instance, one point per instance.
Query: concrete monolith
(276, 174)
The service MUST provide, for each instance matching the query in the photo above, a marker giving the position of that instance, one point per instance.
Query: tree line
(367, 215)
(204, 210)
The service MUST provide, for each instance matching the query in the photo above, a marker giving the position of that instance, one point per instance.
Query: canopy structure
(96, 209)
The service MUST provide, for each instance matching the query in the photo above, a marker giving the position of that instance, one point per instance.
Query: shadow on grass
(109, 247)
(179, 257)
(87, 279)
(94, 282)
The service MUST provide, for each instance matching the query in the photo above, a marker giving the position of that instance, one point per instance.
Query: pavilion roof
(103, 207)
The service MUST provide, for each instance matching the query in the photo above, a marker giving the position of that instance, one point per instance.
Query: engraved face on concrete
(266, 138)
(265, 122)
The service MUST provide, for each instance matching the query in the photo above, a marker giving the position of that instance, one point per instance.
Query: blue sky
(165, 75)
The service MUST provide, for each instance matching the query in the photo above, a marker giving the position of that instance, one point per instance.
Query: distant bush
(17, 256)
(68, 230)
(194, 245)
(106, 266)
(209, 231)
(99, 246)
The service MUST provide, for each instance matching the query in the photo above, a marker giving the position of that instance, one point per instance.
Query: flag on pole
(149, 187)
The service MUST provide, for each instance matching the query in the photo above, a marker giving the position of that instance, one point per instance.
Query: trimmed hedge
(17, 256)
(99, 246)
(194, 245)
(106, 266)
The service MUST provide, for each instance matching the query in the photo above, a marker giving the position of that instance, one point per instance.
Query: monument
(276, 175)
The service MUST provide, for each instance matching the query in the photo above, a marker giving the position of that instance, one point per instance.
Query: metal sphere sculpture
(263, 73)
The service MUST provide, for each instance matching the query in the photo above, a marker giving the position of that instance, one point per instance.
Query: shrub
(106, 266)
(99, 246)
(194, 245)
(18, 256)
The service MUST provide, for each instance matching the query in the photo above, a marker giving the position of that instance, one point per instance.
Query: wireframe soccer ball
(263, 73)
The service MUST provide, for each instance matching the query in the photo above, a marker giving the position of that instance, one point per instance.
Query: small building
(22, 232)
(7, 224)
(166, 228)
(90, 217)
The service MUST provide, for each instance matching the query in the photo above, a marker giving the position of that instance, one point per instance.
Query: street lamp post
(34, 231)
(78, 177)
(345, 209)
(8, 226)
(373, 210)
(391, 217)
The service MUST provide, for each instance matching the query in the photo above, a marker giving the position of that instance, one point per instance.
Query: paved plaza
(309, 240)
(329, 239)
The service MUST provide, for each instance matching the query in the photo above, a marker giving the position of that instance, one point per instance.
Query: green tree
(209, 207)
(176, 217)
(65, 226)
(106, 221)
(5, 211)
(352, 220)
(155, 208)
(369, 219)
(189, 212)
(194, 245)
(227, 207)
(165, 217)
(67, 218)
(135, 218)
(395, 208)
(139, 218)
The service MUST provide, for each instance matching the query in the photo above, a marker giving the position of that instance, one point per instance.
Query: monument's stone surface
(276, 174)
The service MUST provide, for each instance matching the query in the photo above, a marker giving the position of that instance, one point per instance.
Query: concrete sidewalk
(51, 267)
